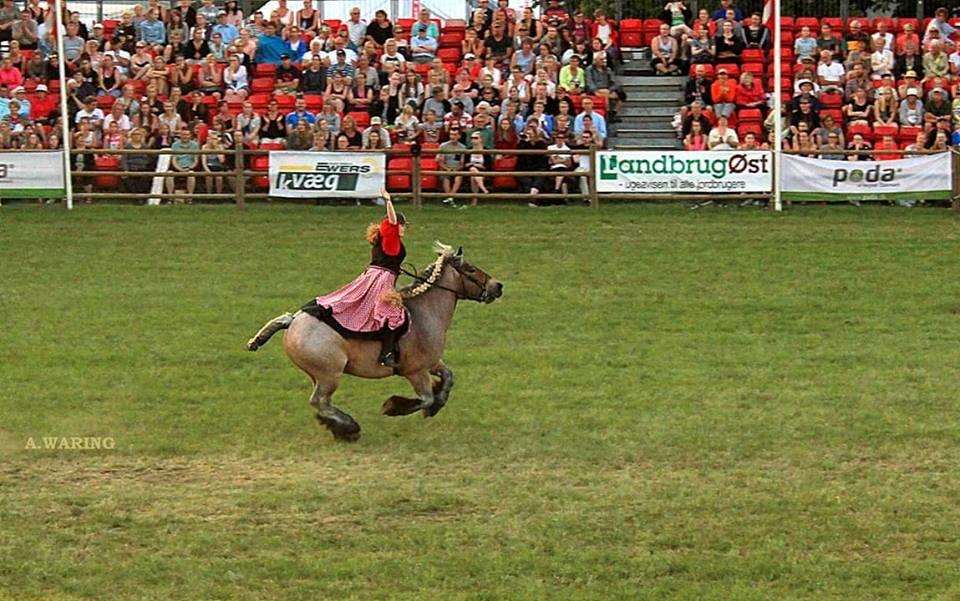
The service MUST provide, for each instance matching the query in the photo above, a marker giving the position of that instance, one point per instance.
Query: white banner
(925, 177)
(327, 174)
(685, 172)
(31, 174)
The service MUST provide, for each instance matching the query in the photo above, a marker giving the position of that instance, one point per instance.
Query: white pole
(60, 6)
(777, 108)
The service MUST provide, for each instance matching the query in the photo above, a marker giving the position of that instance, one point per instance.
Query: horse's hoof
(346, 431)
(434, 408)
(350, 437)
(398, 405)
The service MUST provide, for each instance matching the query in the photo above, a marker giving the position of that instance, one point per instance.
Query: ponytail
(373, 233)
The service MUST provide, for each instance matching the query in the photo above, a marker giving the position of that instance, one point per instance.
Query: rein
(431, 282)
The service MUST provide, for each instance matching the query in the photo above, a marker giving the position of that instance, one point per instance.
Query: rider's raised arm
(391, 212)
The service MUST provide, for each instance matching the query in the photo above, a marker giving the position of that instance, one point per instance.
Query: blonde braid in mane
(444, 252)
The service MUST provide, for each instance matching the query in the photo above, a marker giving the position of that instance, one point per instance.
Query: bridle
(460, 294)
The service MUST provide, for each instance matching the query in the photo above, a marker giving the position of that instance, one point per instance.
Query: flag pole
(777, 108)
(61, 30)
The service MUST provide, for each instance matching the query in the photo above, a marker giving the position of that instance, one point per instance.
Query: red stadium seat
(631, 39)
(430, 182)
(261, 162)
(891, 25)
(285, 102)
(452, 39)
(266, 70)
(733, 69)
(333, 23)
(831, 99)
(837, 114)
(202, 132)
(835, 23)
(139, 86)
(749, 116)
(786, 39)
(505, 182)
(105, 102)
(454, 25)
(631, 25)
(750, 128)
(908, 134)
(362, 118)
(314, 102)
(106, 162)
(397, 182)
(865, 130)
(812, 22)
(906, 20)
(755, 68)
(886, 130)
(652, 26)
(449, 55)
(262, 85)
(752, 55)
(786, 23)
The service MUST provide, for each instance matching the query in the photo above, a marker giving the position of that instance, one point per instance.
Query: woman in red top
(369, 306)
(750, 93)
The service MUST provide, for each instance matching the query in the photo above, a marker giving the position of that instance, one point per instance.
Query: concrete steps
(648, 143)
(652, 101)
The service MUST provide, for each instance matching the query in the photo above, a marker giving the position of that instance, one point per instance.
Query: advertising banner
(685, 172)
(925, 177)
(31, 174)
(326, 174)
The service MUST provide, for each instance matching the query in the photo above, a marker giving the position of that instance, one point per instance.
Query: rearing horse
(431, 300)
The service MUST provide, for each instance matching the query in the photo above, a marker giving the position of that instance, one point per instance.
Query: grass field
(720, 405)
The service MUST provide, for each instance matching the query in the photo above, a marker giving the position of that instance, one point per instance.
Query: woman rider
(369, 307)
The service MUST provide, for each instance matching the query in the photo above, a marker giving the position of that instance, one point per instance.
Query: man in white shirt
(722, 137)
(90, 111)
(356, 27)
(882, 33)
(830, 73)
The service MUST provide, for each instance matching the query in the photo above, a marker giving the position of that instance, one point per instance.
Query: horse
(431, 300)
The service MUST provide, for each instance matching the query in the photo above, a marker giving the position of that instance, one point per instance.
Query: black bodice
(382, 259)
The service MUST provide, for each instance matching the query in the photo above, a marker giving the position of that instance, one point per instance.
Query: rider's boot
(388, 350)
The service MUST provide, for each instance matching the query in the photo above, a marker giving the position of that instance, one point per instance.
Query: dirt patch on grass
(209, 472)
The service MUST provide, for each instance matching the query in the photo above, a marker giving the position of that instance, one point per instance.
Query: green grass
(720, 405)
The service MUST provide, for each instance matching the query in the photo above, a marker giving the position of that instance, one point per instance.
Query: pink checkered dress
(360, 306)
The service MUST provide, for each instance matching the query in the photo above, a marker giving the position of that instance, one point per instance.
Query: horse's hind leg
(341, 425)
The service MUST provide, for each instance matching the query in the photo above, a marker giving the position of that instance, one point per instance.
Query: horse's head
(475, 284)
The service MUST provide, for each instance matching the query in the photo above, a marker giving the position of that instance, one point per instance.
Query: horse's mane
(444, 253)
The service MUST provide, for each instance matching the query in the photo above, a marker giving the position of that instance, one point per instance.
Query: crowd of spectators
(889, 85)
(206, 76)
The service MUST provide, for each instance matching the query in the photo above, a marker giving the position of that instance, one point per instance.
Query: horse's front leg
(441, 389)
(422, 383)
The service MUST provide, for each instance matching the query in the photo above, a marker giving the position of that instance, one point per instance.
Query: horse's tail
(270, 328)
